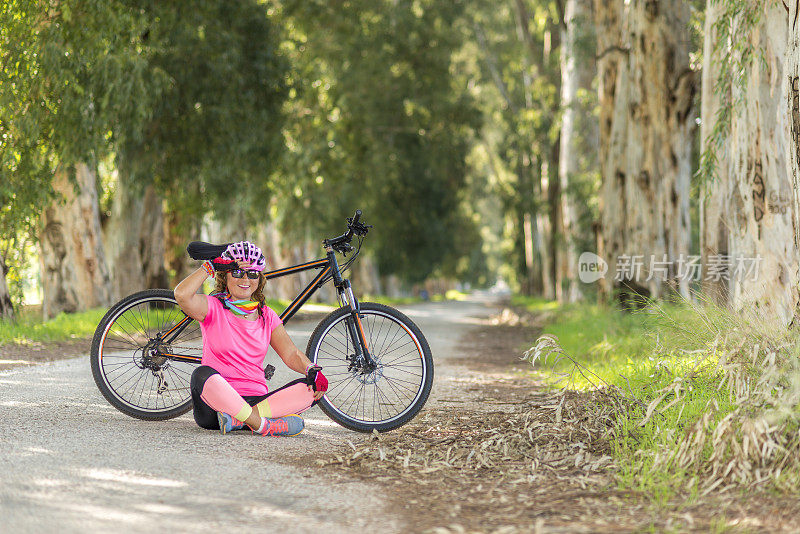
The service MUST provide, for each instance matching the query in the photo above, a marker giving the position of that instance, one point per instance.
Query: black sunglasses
(239, 273)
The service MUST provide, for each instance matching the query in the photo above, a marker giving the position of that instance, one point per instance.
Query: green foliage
(379, 123)
(194, 99)
(184, 93)
(517, 73)
(15, 249)
(213, 129)
(67, 74)
(186, 96)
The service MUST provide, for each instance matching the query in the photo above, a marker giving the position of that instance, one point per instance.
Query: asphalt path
(70, 462)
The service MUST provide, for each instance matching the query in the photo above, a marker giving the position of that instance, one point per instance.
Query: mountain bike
(377, 361)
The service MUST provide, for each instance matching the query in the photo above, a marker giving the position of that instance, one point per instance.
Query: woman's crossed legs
(211, 393)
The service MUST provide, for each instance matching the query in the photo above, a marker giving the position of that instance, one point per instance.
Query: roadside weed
(30, 328)
(708, 400)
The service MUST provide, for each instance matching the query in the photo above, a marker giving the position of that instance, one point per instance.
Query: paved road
(70, 462)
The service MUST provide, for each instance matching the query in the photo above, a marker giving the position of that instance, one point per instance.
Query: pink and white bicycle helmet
(246, 251)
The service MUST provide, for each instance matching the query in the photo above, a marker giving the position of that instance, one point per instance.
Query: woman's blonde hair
(221, 286)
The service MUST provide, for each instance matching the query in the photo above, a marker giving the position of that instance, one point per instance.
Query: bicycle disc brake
(362, 372)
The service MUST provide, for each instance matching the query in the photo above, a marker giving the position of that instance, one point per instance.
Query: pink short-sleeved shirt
(236, 347)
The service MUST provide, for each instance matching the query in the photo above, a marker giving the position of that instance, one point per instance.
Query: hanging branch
(491, 63)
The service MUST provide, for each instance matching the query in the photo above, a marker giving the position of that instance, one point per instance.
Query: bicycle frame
(328, 265)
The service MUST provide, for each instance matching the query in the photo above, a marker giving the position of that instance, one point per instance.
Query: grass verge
(711, 398)
(29, 327)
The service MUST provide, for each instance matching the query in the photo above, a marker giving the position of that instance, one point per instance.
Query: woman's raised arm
(195, 305)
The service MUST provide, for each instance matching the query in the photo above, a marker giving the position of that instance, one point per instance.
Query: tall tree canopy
(380, 123)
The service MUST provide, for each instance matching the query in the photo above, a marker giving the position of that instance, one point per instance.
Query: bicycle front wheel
(380, 398)
(128, 356)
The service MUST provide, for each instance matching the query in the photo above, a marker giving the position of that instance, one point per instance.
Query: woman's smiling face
(242, 288)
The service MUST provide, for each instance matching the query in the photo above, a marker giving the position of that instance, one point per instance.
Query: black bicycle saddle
(199, 250)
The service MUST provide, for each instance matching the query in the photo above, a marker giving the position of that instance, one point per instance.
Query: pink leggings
(211, 393)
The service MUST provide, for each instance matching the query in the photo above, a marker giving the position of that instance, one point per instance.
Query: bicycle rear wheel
(382, 398)
(127, 362)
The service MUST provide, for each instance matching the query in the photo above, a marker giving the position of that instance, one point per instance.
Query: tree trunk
(535, 189)
(544, 231)
(269, 241)
(180, 228)
(716, 192)
(134, 241)
(280, 254)
(751, 210)
(74, 273)
(646, 121)
(6, 307)
(365, 276)
(528, 239)
(392, 286)
(579, 137)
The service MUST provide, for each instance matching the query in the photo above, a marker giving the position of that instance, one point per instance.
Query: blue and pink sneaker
(288, 425)
(228, 424)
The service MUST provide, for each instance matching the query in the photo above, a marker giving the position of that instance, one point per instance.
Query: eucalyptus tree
(61, 93)
(646, 98)
(212, 136)
(188, 97)
(579, 139)
(518, 44)
(751, 156)
(378, 121)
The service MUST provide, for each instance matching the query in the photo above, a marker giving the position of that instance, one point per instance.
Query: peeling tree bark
(579, 135)
(74, 273)
(646, 123)
(6, 307)
(134, 241)
(751, 210)
(714, 197)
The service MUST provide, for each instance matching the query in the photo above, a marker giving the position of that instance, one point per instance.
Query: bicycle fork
(356, 331)
(362, 358)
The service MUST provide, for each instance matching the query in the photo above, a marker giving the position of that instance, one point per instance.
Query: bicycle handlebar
(352, 223)
(353, 227)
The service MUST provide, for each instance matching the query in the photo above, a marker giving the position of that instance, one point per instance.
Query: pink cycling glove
(316, 379)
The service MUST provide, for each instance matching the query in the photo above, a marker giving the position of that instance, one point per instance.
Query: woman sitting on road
(229, 390)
